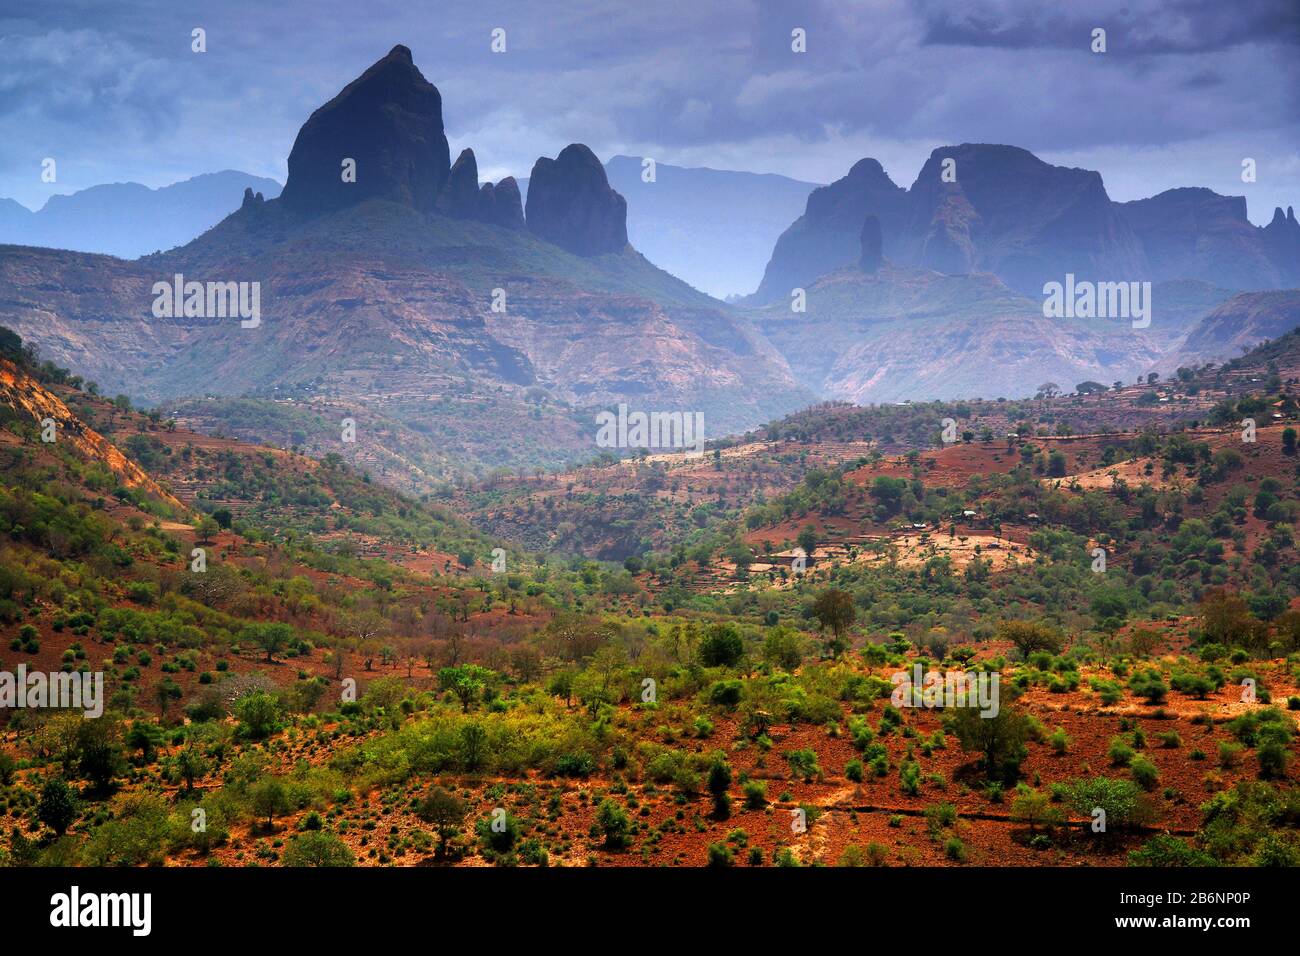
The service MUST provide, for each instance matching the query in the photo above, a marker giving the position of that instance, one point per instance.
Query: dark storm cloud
(114, 92)
(1136, 28)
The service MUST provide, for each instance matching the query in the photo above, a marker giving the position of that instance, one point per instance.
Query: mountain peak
(388, 123)
(868, 168)
(571, 203)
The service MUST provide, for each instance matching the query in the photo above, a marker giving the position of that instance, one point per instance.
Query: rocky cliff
(571, 204)
(1000, 209)
(388, 122)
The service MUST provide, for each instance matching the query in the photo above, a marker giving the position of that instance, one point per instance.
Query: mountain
(937, 291)
(403, 299)
(828, 234)
(712, 228)
(571, 204)
(14, 218)
(1240, 324)
(1009, 213)
(128, 220)
(1000, 209)
(386, 125)
(1196, 232)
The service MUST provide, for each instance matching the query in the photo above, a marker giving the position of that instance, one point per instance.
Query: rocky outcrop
(872, 254)
(501, 205)
(1281, 240)
(946, 243)
(464, 198)
(460, 196)
(1003, 210)
(389, 121)
(829, 233)
(571, 204)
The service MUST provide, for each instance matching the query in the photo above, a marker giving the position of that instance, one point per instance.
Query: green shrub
(1145, 774)
(1120, 753)
(614, 824)
(719, 854)
(317, 849)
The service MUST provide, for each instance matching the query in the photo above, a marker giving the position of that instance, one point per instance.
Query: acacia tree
(205, 528)
(561, 685)
(808, 539)
(364, 624)
(834, 609)
(338, 651)
(999, 737)
(99, 751)
(466, 681)
(191, 766)
(1030, 636)
(269, 636)
(444, 811)
(57, 807)
(267, 798)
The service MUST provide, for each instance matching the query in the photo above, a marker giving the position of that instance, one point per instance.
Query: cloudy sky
(1184, 92)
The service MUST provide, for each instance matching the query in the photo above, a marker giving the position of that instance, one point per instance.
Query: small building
(784, 560)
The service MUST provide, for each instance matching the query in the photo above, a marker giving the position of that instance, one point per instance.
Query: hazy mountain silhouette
(127, 219)
(1000, 209)
(386, 294)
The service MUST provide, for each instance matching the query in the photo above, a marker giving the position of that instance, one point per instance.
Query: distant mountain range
(412, 289)
(474, 325)
(879, 293)
(1000, 209)
(712, 228)
(873, 330)
(129, 220)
